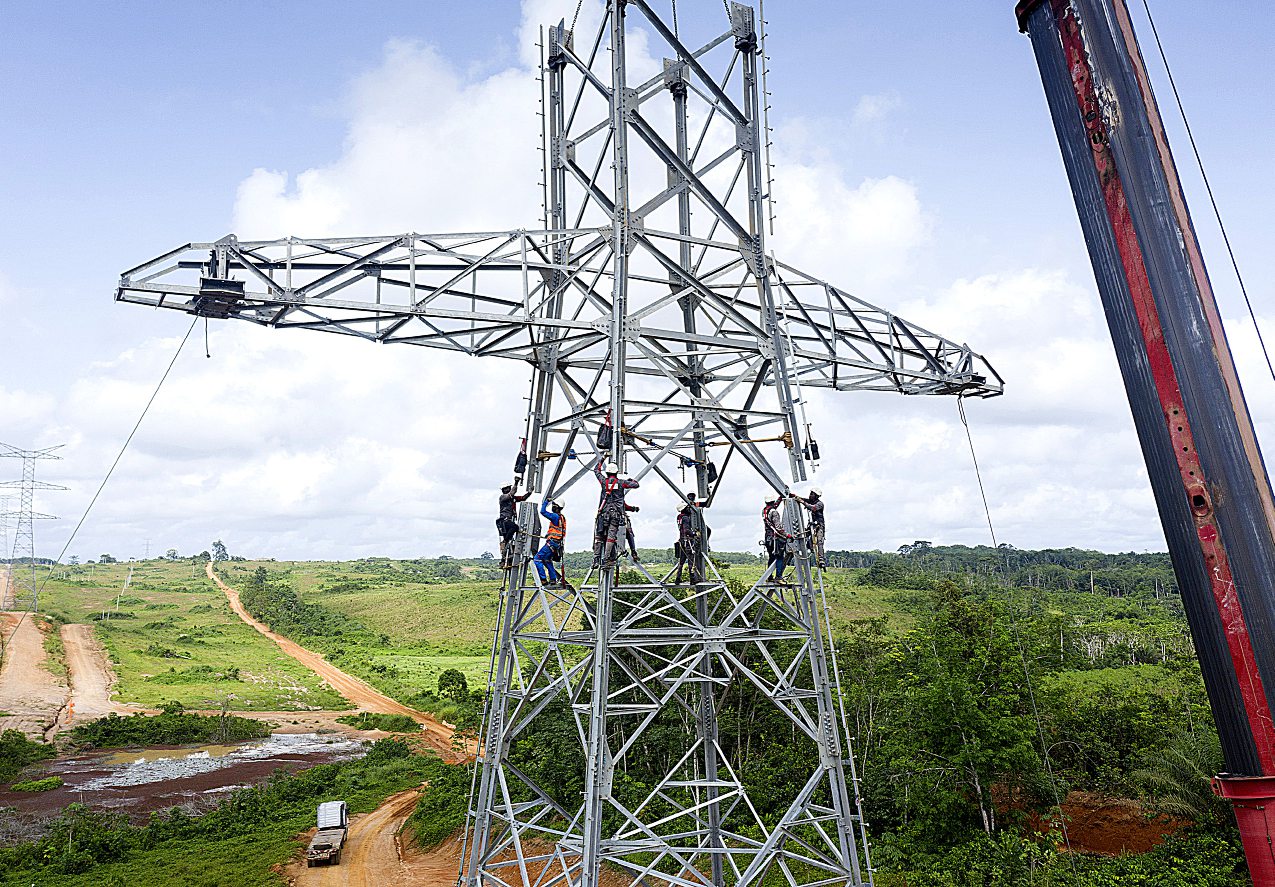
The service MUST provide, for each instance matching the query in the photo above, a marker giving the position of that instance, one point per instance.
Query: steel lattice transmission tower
(648, 303)
(22, 589)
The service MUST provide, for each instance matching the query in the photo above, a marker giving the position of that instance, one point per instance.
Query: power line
(1208, 187)
(110, 471)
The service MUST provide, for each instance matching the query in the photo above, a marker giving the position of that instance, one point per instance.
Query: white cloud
(318, 446)
(873, 110)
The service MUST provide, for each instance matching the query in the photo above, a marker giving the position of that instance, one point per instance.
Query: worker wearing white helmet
(776, 538)
(612, 520)
(555, 540)
(814, 504)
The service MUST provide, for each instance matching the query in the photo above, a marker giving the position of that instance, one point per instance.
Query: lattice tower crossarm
(23, 590)
(648, 305)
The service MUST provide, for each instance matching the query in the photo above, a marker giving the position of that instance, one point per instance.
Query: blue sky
(131, 128)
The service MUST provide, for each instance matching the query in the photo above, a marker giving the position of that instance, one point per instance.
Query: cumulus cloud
(872, 110)
(317, 446)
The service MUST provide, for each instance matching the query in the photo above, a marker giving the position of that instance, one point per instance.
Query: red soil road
(362, 694)
(92, 677)
(372, 856)
(32, 696)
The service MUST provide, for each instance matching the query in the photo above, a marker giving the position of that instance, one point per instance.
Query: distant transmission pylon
(22, 590)
(661, 335)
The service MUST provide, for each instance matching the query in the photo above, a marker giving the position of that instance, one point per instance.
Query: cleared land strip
(91, 676)
(30, 696)
(359, 692)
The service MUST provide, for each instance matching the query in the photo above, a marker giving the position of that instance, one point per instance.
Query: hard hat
(612, 468)
(506, 487)
(772, 498)
(556, 504)
(815, 491)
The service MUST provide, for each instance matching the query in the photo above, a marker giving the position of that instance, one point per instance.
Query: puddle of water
(161, 754)
(142, 767)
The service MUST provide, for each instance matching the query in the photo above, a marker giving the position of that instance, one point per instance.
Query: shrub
(38, 785)
(370, 720)
(16, 752)
(173, 727)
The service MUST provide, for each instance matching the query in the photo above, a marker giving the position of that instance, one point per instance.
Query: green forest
(1016, 717)
(995, 696)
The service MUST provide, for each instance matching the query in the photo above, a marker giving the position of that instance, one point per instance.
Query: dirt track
(371, 856)
(362, 694)
(32, 696)
(91, 676)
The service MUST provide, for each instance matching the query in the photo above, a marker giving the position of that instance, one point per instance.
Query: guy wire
(1018, 641)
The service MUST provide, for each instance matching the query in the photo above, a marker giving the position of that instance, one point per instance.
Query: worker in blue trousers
(552, 549)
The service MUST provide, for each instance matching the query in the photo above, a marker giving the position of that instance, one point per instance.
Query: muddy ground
(138, 781)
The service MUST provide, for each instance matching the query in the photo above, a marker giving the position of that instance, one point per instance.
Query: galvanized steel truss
(22, 591)
(648, 302)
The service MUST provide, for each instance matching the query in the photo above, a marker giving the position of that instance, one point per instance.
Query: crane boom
(1206, 469)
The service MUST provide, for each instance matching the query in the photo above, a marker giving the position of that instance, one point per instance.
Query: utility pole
(1206, 469)
(648, 310)
(22, 585)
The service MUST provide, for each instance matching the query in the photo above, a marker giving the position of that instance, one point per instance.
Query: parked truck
(325, 846)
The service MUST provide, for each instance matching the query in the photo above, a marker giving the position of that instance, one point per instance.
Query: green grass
(367, 720)
(55, 658)
(174, 638)
(429, 626)
(38, 785)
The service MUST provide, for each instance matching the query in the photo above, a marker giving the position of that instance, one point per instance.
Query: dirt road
(30, 697)
(371, 856)
(362, 694)
(91, 677)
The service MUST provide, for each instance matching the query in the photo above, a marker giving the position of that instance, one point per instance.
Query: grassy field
(173, 637)
(419, 626)
(419, 623)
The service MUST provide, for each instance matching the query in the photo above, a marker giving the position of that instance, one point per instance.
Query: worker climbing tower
(660, 335)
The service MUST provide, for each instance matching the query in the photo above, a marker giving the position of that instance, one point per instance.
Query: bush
(173, 727)
(441, 808)
(369, 720)
(38, 785)
(16, 752)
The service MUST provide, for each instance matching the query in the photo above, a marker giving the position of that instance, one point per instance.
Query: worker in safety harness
(814, 504)
(690, 540)
(611, 513)
(506, 523)
(777, 538)
(552, 549)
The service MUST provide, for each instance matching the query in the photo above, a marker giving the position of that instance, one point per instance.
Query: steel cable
(1217, 213)
(1018, 641)
(110, 471)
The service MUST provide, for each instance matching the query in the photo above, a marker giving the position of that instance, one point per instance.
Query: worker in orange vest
(552, 549)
